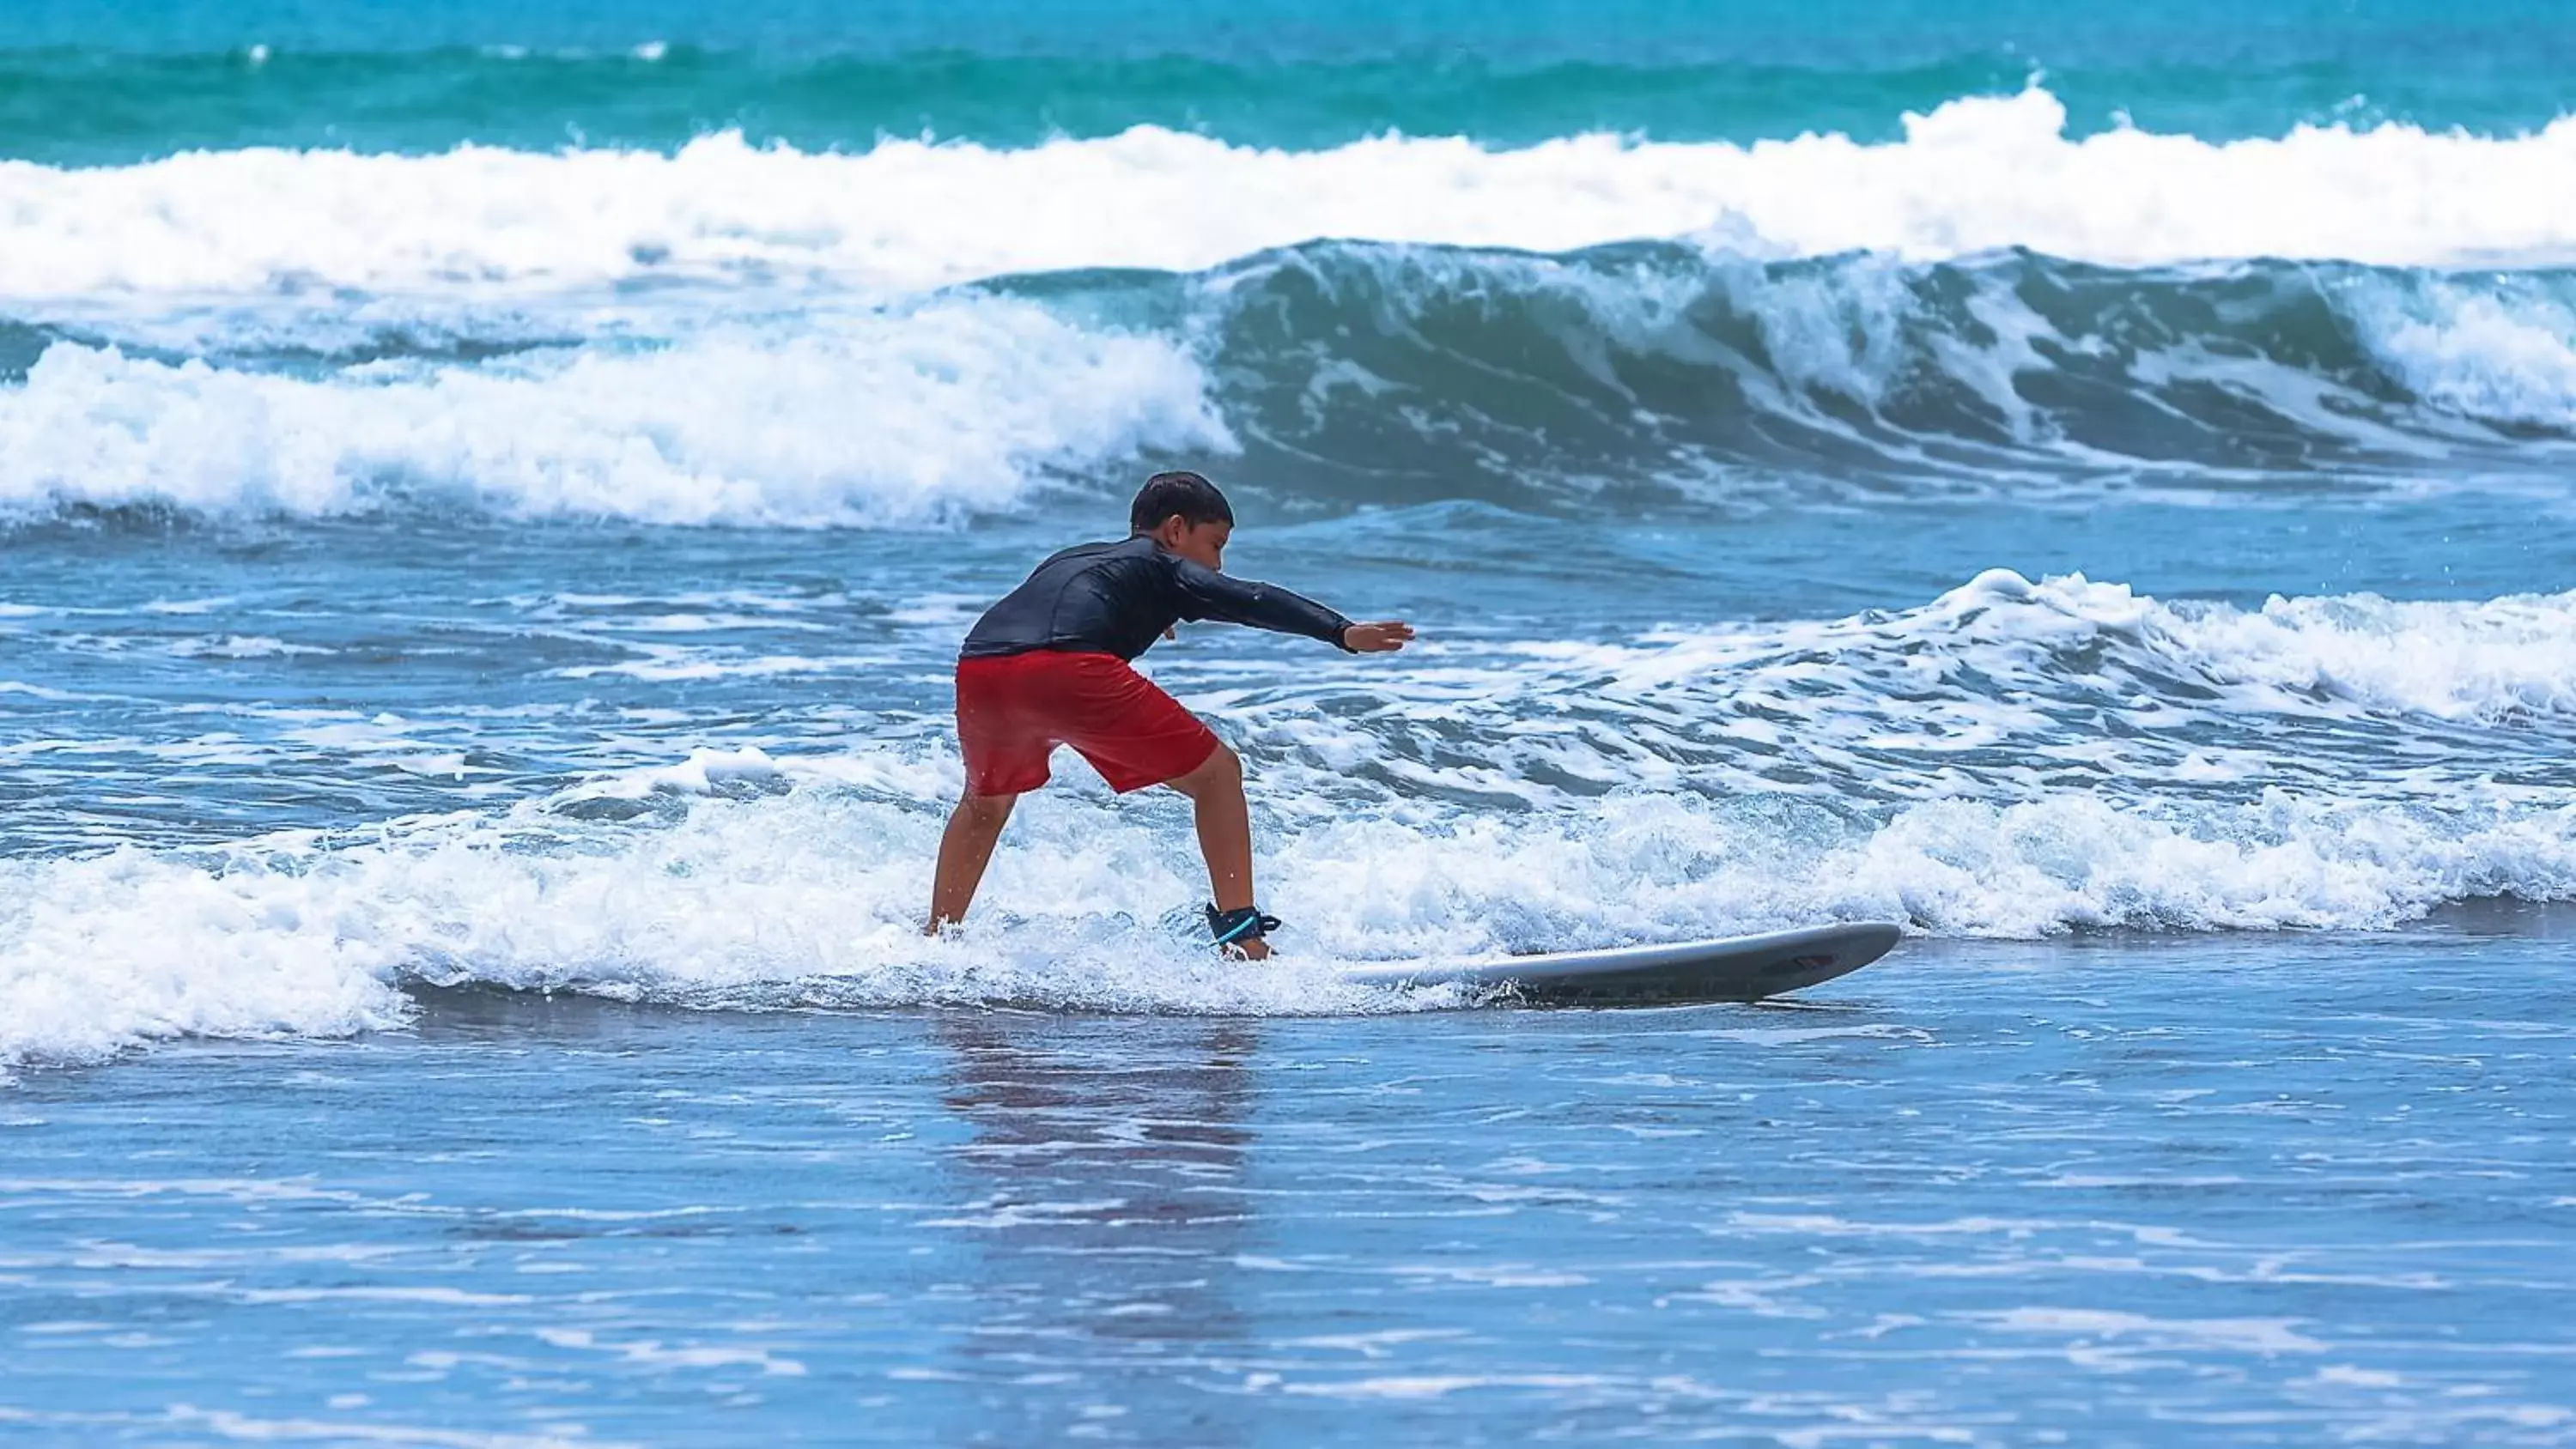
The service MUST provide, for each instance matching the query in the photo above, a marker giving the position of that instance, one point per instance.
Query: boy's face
(1201, 543)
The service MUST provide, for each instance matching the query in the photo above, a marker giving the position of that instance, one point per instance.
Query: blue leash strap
(1243, 924)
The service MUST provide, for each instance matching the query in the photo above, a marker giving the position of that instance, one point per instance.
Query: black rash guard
(1118, 598)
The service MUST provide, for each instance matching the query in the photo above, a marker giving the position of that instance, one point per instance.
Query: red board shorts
(1014, 709)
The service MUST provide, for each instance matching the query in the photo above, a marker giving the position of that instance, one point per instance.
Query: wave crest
(1973, 175)
(1341, 375)
(923, 416)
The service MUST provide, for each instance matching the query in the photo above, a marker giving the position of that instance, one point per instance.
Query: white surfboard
(1739, 968)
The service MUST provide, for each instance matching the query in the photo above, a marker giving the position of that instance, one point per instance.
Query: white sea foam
(807, 900)
(704, 772)
(2503, 350)
(2490, 661)
(962, 405)
(923, 412)
(2043, 756)
(909, 417)
(239, 646)
(2002, 691)
(2486, 660)
(812, 897)
(1975, 174)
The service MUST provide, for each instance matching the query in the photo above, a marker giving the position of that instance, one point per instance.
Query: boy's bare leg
(965, 848)
(1215, 788)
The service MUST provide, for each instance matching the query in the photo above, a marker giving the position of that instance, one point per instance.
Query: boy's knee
(988, 811)
(1222, 768)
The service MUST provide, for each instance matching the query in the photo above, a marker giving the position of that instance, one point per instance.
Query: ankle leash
(1245, 923)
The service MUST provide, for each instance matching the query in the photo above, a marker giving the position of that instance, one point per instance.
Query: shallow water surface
(2118, 1192)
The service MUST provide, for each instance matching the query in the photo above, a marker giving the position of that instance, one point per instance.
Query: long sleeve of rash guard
(1118, 598)
(1207, 594)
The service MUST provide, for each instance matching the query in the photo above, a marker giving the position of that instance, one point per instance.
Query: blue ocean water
(1998, 1195)
(490, 494)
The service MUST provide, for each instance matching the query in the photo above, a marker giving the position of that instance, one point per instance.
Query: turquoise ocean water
(489, 495)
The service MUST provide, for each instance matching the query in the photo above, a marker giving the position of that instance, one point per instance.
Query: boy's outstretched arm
(1207, 594)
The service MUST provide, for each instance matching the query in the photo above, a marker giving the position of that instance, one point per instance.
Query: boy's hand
(1384, 637)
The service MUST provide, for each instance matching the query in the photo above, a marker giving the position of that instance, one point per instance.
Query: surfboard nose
(1837, 951)
(1740, 968)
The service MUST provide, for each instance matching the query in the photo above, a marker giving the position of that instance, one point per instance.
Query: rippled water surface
(2256, 1192)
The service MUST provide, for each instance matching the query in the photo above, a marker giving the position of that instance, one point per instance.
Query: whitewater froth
(810, 900)
(1335, 375)
(2015, 758)
(922, 416)
(1975, 174)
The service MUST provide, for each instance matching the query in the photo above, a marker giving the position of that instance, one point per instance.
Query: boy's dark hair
(1194, 498)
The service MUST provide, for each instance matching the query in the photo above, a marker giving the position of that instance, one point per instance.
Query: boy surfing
(1049, 665)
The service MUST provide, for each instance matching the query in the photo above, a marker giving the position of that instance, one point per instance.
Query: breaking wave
(922, 416)
(810, 900)
(1337, 375)
(1972, 175)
